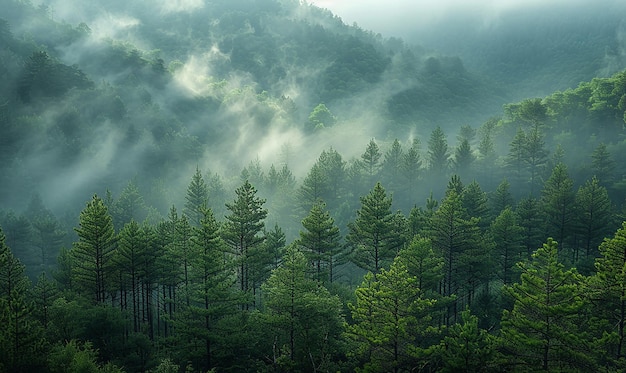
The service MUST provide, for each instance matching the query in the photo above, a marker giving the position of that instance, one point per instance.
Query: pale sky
(404, 17)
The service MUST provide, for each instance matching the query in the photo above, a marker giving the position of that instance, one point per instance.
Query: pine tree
(463, 249)
(542, 331)
(130, 205)
(371, 234)
(603, 165)
(93, 251)
(608, 296)
(392, 165)
(211, 293)
(475, 203)
(389, 316)
(516, 157)
(531, 221)
(44, 293)
(333, 167)
(20, 339)
(129, 259)
(467, 348)
(314, 187)
(535, 156)
(370, 160)
(507, 236)
(501, 198)
(594, 214)
(241, 233)
(558, 204)
(320, 241)
(304, 318)
(411, 169)
(463, 158)
(438, 153)
(197, 198)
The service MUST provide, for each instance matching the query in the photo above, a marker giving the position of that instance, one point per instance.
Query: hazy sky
(407, 17)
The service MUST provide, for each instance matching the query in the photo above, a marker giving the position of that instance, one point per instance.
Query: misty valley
(257, 186)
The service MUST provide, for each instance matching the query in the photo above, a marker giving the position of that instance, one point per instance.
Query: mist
(169, 97)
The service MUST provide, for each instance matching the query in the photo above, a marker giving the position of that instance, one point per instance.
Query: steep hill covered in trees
(272, 190)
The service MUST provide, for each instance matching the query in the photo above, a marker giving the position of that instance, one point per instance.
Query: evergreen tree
(44, 293)
(314, 187)
(197, 198)
(438, 153)
(531, 221)
(411, 169)
(320, 241)
(535, 156)
(558, 204)
(275, 242)
(464, 251)
(501, 198)
(129, 259)
(475, 203)
(304, 318)
(515, 159)
(463, 158)
(423, 263)
(603, 165)
(370, 162)
(93, 251)
(241, 233)
(212, 295)
(334, 169)
(130, 205)
(507, 236)
(486, 160)
(594, 214)
(467, 348)
(542, 331)
(392, 165)
(608, 297)
(371, 234)
(389, 316)
(20, 340)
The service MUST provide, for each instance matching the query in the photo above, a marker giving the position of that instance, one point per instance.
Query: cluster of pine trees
(471, 281)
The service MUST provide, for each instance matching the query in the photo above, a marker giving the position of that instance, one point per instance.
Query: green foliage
(321, 117)
(507, 237)
(304, 318)
(438, 153)
(608, 287)
(594, 215)
(197, 197)
(558, 199)
(241, 233)
(467, 348)
(543, 330)
(389, 316)
(372, 235)
(93, 251)
(76, 357)
(320, 242)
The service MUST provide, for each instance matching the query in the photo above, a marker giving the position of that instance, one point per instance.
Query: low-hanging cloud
(405, 18)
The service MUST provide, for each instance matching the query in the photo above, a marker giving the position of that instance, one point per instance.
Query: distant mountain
(534, 49)
(99, 92)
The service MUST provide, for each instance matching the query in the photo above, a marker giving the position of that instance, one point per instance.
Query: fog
(413, 19)
(218, 111)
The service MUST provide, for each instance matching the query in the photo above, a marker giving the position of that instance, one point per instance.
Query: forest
(255, 186)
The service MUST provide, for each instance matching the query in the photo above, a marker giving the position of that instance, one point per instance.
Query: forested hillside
(255, 186)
